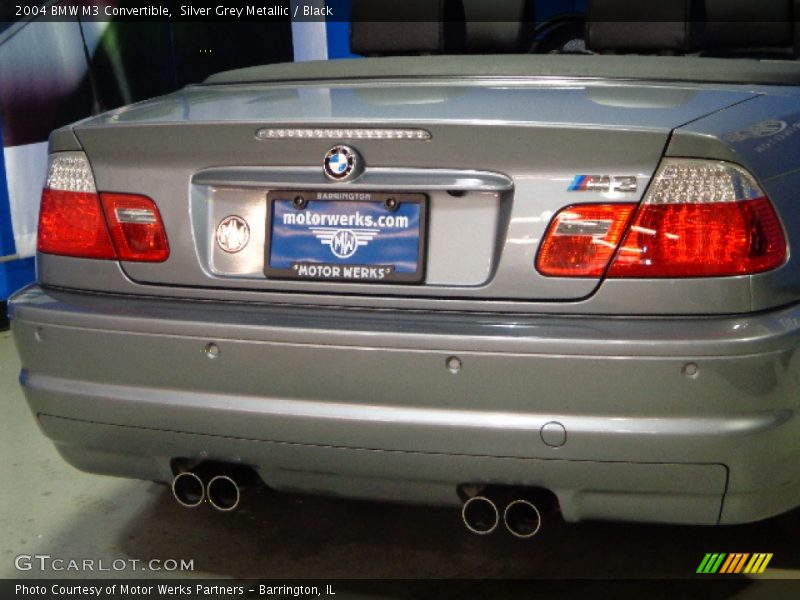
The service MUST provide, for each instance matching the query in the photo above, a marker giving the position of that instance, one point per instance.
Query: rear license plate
(345, 236)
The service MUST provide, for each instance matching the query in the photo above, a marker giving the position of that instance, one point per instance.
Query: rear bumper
(603, 412)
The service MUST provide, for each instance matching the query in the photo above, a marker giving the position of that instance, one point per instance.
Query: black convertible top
(630, 67)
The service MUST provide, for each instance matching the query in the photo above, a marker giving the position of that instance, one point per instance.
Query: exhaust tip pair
(222, 492)
(521, 518)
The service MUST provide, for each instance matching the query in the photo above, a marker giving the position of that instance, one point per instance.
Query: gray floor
(50, 508)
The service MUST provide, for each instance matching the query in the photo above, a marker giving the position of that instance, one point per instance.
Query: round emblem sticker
(233, 234)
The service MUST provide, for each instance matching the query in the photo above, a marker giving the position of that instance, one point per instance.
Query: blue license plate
(345, 236)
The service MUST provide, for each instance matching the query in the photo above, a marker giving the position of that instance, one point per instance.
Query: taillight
(71, 224)
(582, 238)
(136, 227)
(701, 219)
(74, 222)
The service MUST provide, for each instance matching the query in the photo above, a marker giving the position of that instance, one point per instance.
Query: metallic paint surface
(678, 397)
(607, 127)
(337, 384)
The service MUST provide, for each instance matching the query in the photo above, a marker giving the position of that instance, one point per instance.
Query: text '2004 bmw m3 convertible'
(507, 282)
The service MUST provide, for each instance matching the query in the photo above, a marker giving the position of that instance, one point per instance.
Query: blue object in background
(6, 233)
(547, 9)
(14, 273)
(338, 31)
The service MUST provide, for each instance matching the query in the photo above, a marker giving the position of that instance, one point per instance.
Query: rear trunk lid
(487, 165)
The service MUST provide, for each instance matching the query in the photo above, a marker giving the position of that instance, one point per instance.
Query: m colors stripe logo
(603, 183)
(734, 563)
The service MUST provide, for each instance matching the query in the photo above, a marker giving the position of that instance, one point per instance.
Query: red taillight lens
(136, 227)
(72, 224)
(701, 240)
(75, 221)
(700, 218)
(581, 239)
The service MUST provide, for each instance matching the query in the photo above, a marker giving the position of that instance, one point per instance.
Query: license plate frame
(331, 265)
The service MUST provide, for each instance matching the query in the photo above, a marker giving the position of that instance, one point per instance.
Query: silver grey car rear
(665, 399)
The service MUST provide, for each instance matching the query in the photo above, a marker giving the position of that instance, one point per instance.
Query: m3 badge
(603, 183)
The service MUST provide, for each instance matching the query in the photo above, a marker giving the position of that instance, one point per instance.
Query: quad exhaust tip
(223, 493)
(519, 509)
(522, 519)
(220, 484)
(480, 515)
(188, 489)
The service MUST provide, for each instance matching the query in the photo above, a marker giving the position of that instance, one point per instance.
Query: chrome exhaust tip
(480, 515)
(223, 493)
(522, 519)
(188, 489)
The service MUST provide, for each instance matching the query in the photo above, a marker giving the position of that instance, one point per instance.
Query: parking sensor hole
(453, 364)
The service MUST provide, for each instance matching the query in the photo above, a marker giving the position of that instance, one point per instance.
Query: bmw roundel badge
(342, 163)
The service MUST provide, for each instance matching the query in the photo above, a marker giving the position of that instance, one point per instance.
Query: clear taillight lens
(701, 219)
(74, 220)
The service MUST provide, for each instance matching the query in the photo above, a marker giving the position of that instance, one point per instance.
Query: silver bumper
(668, 420)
